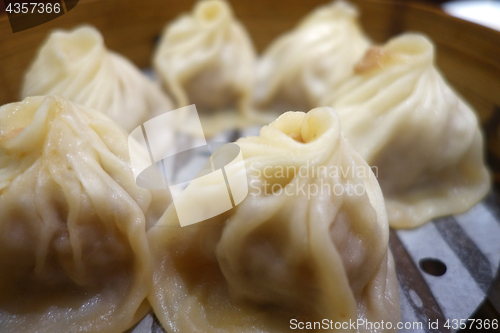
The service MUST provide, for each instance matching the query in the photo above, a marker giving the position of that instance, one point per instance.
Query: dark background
(435, 2)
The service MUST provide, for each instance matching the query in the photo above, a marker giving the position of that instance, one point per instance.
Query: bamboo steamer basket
(467, 54)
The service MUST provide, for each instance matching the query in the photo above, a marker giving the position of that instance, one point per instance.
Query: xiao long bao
(73, 244)
(303, 65)
(207, 58)
(77, 66)
(401, 115)
(278, 256)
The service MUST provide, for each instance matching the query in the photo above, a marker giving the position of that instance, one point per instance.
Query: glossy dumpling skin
(73, 247)
(402, 116)
(207, 58)
(303, 65)
(77, 66)
(280, 254)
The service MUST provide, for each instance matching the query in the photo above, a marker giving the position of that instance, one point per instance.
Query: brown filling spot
(374, 58)
(11, 134)
(297, 137)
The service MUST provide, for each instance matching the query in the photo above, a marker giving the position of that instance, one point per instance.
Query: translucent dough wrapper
(206, 58)
(75, 257)
(77, 66)
(402, 116)
(304, 65)
(285, 252)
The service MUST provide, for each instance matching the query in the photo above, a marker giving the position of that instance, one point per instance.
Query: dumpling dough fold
(207, 58)
(286, 252)
(423, 139)
(73, 247)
